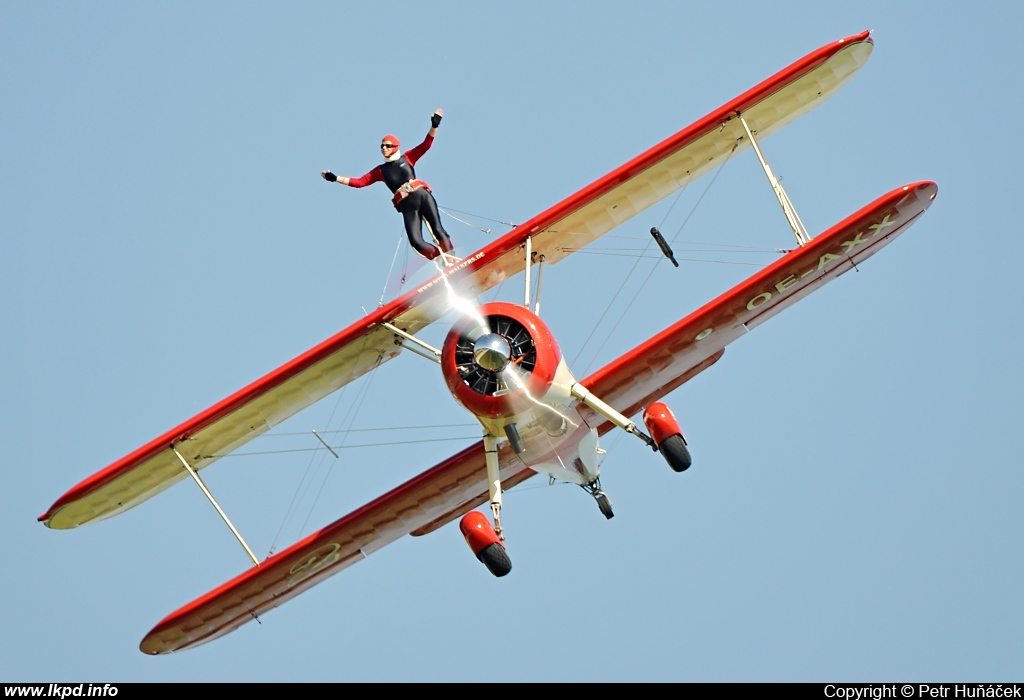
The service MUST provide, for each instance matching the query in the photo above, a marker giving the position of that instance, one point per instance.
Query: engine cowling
(499, 361)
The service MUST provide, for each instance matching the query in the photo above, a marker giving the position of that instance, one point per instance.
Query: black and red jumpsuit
(417, 204)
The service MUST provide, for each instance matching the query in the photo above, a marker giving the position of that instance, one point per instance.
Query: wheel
(496, 559)
(605, 505)
(675, 453)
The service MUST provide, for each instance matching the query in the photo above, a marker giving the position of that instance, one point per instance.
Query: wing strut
(434, 355)
(540, 272)
(195, 475)
(529, 262)
(799, 230)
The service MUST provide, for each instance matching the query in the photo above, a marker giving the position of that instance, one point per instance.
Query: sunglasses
(387, 145)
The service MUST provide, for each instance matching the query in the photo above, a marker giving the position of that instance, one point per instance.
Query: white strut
(529, 261)
(795, 224)
(493, 480)
(605, 411)
(195, 475)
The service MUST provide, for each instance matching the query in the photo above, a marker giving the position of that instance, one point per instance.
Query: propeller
(499, 359)
(481, 360)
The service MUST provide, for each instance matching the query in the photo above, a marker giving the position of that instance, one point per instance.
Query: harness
(407, 189)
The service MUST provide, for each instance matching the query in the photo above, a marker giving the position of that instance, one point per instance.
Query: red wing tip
(923, 185)
(863, 36)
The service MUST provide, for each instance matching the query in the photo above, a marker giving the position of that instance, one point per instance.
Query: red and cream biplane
(502, 363)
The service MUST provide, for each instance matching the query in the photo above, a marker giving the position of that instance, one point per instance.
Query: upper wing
(697, 149)
(459, 484)
(555, 233)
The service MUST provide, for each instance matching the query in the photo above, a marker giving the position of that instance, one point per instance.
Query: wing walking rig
(503, 364)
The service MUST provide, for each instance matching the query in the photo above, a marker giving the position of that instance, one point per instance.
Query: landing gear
(603, 502)
(669, 438)
(494, 479)
(676, 454)
(485, 543)
(496, 559)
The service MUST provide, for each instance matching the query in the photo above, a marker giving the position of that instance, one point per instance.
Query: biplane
(503, 364)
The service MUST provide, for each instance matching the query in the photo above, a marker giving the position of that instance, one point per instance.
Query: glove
(435, 120)
(329, 176)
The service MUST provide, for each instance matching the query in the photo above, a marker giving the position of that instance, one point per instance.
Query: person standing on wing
(413, 198)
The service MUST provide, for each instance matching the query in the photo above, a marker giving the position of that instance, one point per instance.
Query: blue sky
(854, 509)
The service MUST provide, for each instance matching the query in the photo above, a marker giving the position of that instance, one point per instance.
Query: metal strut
(605, 411)
(435, 354)
(540, 272)
(795, 224)
(324, 443)
(529, 262)
(195, 475)
(493, 480)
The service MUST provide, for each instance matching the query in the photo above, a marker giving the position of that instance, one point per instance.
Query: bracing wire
(477, 216)
(296, 450)
(631, 253)
(463, 221)
(353, 412)
(302, 486)
(391, 271)
(646, 279)
(311, 472)
(607, 309)
(370, 430)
